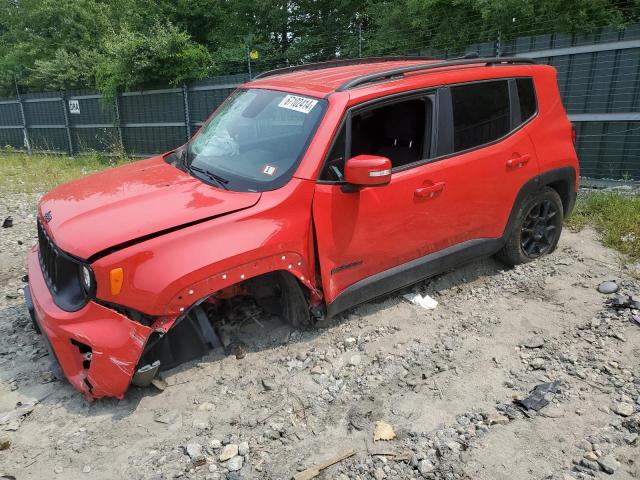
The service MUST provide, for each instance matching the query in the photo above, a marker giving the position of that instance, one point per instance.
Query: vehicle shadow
(254, 330)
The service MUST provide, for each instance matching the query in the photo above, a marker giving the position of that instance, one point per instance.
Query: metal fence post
(187, 119)
(116, 102)
(25, 131)
(63, 99)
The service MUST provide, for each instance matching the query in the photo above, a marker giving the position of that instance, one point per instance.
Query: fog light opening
(85, 352)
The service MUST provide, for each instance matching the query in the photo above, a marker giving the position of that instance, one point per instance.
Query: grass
(616, 217)
(22, 173)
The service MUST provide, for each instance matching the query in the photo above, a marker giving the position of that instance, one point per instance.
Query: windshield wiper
(217, 179)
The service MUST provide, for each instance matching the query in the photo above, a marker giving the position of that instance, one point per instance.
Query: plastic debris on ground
(536, 400)
(424, 301)
(625, 301)
(8, 222)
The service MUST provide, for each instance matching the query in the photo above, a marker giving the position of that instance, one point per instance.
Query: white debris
(424, 301)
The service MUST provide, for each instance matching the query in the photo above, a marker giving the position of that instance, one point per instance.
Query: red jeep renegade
(311, 189)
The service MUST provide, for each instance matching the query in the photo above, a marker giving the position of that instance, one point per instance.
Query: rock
(228, 452)
(243, 448)
(215, 444)
(8, 222)
(268, 384)
(624, 409)
(5, 442)
(537, 363)
(350, 341)
(205, 407)
(534, 342)
(591, 456)
(86, 469)
(425, 466)
(58, 469)
(591, 465)
(355, 360)
(609, 464)
(194, 450)
(497, 419)
(383, 431)
(379, 474)
(608, 287)
(317, 370)
(631, 438)
(234, 463)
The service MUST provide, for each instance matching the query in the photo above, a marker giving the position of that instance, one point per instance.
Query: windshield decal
(269, 169)
(298, 104)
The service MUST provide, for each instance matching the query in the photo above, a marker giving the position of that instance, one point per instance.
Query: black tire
(537, 228)
(293, 303)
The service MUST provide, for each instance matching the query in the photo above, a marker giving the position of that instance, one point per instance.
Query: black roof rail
(335, 63)
(388, 74)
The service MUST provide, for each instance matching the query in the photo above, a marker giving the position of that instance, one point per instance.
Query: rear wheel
(537, 229)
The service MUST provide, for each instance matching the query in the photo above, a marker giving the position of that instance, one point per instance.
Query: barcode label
(299, 104)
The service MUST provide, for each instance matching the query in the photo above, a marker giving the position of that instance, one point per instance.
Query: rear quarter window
(481, 113)
(527, 97)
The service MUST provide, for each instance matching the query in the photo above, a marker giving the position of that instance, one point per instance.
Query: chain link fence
(598, 75)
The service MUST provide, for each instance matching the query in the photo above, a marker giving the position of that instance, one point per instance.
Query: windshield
(255, 140)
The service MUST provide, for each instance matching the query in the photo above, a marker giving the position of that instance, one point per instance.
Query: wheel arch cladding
(289, 262)
(562, 180)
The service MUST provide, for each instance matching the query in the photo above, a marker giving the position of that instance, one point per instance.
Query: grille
(48, 258)
(61, 273)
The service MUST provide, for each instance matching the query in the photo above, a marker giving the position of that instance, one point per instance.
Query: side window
(527, 97)
(400, 131)
(481, 113)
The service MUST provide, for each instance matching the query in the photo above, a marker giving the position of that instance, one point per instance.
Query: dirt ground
(446, 380)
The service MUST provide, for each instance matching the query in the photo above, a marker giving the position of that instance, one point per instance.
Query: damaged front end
(190, 337)
(102, 349)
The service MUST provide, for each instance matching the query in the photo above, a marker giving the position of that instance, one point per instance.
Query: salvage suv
(311, 189)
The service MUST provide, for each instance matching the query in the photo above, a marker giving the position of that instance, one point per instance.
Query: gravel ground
(446, 381)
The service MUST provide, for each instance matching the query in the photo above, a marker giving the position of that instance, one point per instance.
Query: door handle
(519, 161)
(430, 191)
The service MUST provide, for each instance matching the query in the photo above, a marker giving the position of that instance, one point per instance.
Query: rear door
(484, 156)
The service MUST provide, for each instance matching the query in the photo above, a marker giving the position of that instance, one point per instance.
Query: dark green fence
(598, 75)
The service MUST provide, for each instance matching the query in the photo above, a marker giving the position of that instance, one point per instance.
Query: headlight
(86, 278)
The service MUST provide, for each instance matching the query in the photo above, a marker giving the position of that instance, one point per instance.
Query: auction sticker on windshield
(269, 170)
(299, 104)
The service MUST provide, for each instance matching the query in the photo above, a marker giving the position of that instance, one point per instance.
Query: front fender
(160, 273)
(291, 262)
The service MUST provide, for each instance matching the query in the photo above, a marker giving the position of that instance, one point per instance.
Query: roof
(326, 77)
(327, 80)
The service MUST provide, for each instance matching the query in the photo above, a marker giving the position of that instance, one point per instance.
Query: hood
(126, 203)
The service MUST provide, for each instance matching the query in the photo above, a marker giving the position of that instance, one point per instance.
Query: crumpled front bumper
(97, 348)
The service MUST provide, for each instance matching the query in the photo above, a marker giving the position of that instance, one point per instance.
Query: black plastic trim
(411, 272)
(564, 174)
(62, 274)
(398, 72)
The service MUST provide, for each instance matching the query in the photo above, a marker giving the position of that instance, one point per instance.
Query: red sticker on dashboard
(269, 170)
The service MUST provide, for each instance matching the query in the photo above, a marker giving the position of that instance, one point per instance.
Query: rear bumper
(97, 348)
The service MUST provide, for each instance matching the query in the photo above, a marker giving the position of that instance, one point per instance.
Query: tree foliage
(125, 44)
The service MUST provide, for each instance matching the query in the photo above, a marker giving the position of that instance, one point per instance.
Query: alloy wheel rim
(539, 229)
